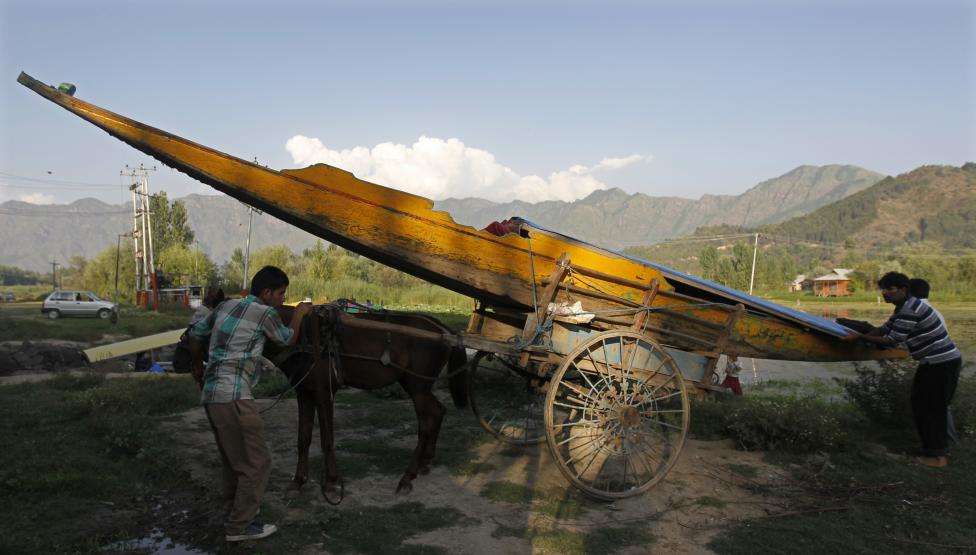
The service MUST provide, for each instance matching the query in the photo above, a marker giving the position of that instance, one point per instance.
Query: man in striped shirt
(922, 330)
(238, 330)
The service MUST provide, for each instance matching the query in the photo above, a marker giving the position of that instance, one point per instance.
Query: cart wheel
(616, 415)
(507, 401)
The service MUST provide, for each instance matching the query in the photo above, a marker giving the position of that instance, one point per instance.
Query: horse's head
(286, 313)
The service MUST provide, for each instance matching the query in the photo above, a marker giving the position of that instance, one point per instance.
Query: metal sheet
(754, 304)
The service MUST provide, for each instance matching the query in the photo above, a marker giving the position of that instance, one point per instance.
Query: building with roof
(835, 284)
(801, 283)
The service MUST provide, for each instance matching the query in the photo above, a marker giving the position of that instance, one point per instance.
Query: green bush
(775, 422)
(963, 406)
(884, 396)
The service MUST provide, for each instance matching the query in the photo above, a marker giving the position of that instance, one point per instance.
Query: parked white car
(76, 303)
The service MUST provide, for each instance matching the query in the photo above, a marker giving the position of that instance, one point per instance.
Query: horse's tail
(458, 380)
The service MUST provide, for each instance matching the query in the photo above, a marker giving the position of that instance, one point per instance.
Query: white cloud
(618, 163)
(37, 198)
(439, 169)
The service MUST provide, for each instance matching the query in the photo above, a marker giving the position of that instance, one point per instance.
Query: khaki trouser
(239, 432)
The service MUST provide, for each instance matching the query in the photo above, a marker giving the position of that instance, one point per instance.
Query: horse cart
(594, 352)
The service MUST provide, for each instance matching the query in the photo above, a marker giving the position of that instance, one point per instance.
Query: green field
(24, 321)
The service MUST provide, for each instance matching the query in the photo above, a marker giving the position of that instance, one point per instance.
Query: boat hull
(403, 231)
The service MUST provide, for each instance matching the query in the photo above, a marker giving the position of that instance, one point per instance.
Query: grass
(709, 501)
(879, 505)
(89, 462)
(82, 457)
(24, 321)
(23, 293)
(601, 540)
(368, 529)
(744, 470)
(559, 503)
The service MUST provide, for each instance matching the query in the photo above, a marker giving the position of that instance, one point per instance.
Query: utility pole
(142, 233)
(54, 275)
(247, 244)
(755, 251)
(118, 249)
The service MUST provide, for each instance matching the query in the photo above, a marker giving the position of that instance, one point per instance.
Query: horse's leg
(330, 472)
(306, 415)
(437, 418)
(420, 408)
(424, 404)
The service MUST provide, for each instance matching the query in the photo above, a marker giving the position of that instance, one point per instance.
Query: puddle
(157, 542)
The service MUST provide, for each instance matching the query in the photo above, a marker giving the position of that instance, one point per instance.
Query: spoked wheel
(616, 415)
(507, 401)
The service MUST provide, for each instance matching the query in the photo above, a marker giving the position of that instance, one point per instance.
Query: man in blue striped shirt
(922, 330)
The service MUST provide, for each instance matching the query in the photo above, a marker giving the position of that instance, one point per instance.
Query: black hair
(269, 277)
(894, 279)
(919, 288)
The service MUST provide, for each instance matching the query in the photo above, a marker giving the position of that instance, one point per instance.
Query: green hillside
(932, 203)
(922, 223)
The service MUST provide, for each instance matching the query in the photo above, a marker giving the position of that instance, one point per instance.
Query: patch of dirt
(37, 360)
(712, 485)
(37, 356)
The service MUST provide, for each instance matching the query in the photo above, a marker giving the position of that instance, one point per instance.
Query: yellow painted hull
(403, 231)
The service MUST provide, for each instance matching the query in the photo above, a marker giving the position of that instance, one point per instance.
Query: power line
(15, 177)
(52, 213)
(59, 187)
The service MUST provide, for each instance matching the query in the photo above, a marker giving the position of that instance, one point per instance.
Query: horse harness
(321, 336)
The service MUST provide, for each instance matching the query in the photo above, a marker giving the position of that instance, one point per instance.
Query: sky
(499, 100)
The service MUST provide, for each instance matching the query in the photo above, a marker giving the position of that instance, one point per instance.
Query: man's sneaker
(933, 462)
(254, 531)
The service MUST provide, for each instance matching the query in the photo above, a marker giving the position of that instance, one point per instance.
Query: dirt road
(497, 499)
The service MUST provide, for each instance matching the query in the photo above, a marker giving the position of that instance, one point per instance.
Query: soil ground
(503, 499)
(482, 496)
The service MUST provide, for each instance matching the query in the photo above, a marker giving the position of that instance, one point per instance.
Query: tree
(273, 255)
(232, 272)
(708, 260)
(11, 275)
(185, 266)
(169, 223)
(99, 273)
(73, 272)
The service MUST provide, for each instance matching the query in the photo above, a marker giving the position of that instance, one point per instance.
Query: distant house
(800, 283)
(835, 284)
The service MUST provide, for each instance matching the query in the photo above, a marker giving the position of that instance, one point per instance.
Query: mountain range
(615, 219)
(31, 236)
(934, 204)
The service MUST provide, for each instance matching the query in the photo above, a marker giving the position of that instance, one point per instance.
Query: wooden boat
(505, 273)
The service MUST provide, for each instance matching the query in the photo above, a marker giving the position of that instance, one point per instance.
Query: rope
(535, 299)
(285, 392)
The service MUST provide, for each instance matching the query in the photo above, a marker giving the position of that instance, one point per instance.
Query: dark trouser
(932, 390)
(239, 432)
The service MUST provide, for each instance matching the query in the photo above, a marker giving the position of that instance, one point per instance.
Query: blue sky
(706, 97)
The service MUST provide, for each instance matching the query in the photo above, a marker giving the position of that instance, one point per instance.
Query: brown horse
(331, 354)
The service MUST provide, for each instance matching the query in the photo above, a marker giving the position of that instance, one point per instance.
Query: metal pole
(118, 249)
(154, 284)
(54, 275)
(135, 242)
(152, 256)
(247, 247)
(755, 250)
